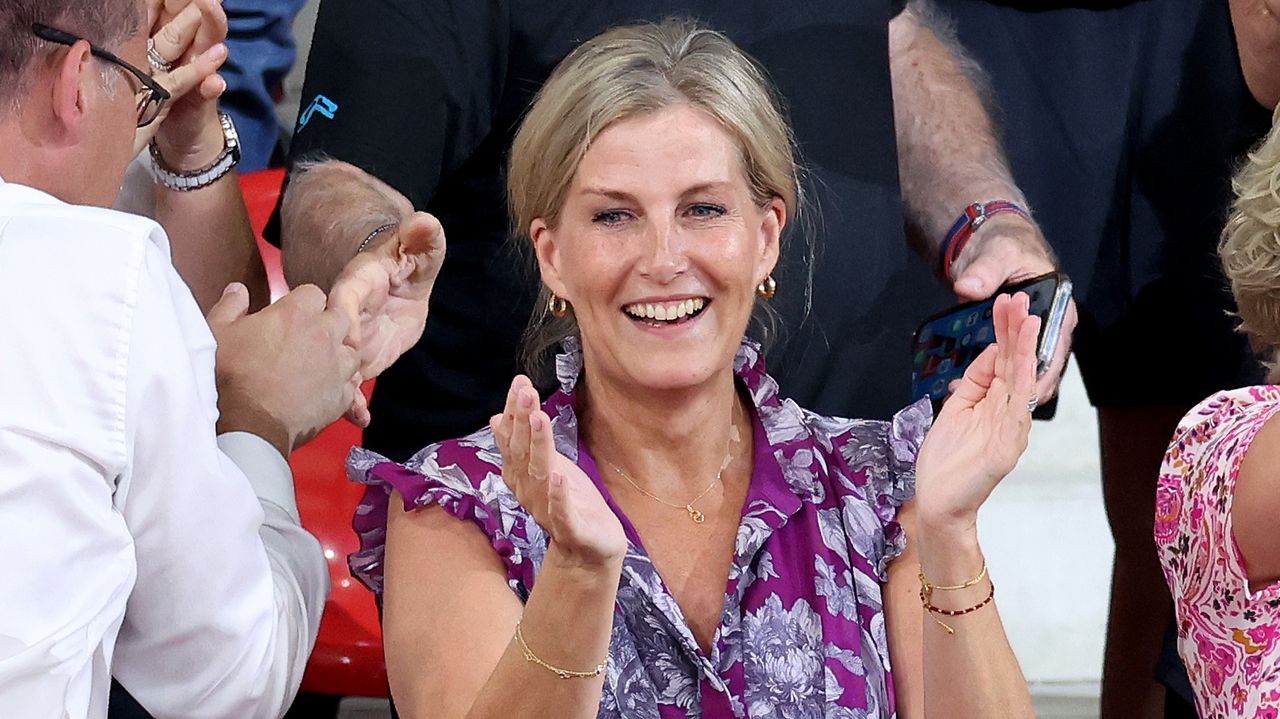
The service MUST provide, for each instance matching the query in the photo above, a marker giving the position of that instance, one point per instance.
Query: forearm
(973, 671)
(1257, 30)
(567, 623)
(329, 208)
(949, 153)
(212, 241)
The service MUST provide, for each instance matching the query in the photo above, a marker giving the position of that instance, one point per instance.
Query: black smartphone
(947, 342)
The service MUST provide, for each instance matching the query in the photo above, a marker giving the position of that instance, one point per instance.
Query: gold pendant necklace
(695, 515)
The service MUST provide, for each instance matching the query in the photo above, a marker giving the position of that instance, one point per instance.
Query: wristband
(973, 217)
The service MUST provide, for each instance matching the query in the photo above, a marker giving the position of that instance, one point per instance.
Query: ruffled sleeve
(464, 478)
(878, 476)
(906, 435)
(1194, 533)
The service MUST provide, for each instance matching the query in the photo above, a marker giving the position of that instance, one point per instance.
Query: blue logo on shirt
(322, 105)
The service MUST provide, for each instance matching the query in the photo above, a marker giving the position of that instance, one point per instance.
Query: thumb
(358, 412)
(347, 298)
(559, 505)
(421, 234)
(980, 279)
(233, 305)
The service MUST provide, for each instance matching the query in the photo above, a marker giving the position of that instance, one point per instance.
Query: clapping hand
(983, 427)
(282, 373)
(559, 495)
(189, 35)
(384, 291)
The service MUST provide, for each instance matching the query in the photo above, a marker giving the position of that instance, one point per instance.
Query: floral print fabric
(1228, 637)
(802, 634)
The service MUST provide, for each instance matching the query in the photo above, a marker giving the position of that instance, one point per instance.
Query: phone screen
(946, 344)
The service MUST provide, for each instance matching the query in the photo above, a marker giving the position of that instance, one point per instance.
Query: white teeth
(665, 312)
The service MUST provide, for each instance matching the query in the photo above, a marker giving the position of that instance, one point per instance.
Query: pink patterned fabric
(1228, 637)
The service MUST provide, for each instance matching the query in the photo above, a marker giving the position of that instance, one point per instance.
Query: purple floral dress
(802, 633)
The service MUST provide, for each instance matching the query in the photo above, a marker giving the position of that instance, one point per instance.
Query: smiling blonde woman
(666, 536)
(1219, 492)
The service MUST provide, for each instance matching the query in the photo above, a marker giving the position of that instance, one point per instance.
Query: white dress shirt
(136, 544)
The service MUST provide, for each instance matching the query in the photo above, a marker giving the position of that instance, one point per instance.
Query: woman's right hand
(559, 495)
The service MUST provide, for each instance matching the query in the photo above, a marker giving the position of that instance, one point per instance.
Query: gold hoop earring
(767, 289)
(557, 306)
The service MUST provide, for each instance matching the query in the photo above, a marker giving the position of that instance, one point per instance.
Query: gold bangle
(931, 588)
(529, 656)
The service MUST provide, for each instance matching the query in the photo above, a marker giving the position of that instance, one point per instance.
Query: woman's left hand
(983, 427)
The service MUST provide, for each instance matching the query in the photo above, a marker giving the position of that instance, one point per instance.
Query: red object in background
(347, 660)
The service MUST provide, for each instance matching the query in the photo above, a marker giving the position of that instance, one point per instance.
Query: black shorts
(1123, 122)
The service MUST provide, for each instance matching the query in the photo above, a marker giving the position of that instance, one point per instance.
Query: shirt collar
(28, 193)
(773, 497)
(780, 428)
(748, 365)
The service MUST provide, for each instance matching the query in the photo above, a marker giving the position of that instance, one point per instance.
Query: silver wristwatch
(207, 175)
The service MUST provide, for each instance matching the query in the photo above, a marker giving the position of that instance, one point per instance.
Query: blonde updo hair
(626, 72)
(1250, 244)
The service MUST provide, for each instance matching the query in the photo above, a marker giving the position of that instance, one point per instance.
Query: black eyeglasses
(151, 96)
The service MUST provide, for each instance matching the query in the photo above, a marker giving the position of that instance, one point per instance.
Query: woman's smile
(666, 312)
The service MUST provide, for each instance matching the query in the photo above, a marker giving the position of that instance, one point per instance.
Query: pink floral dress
(1228, 637)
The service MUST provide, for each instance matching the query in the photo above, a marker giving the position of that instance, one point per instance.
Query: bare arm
(448, 607)
(211, 239)
(950, 156)
(976, 440)
(1257, 29)
(903, 616)
(213, 243)
(979, 646)
(949, 153)
(329, 208)
(1256, 504)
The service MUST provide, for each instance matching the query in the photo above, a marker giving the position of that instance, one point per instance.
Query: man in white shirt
(145, 501)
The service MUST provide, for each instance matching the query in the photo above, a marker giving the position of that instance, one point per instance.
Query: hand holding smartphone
(947, 343)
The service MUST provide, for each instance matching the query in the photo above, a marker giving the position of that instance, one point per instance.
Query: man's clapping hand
(283, 373)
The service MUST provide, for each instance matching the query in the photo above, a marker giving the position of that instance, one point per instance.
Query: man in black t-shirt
(415, 103)
(1124, 121)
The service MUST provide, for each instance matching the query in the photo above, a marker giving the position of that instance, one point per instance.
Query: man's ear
(72, 74)
(547, 249)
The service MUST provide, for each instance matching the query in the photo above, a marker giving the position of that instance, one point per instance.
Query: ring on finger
(1033, 403)
(156, 60)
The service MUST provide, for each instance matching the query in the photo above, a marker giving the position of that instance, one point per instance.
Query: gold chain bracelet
(931, 588)
(926, 597)
(529, 656)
